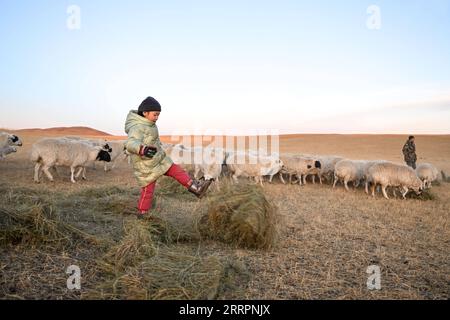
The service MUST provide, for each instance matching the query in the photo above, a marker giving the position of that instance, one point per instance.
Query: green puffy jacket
(142, 132)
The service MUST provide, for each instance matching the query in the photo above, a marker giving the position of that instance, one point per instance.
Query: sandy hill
(61, 131)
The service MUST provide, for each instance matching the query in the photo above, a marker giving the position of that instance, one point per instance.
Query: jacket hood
(133, 119)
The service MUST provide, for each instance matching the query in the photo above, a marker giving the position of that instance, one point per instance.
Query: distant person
(409, 152)
(149, 159)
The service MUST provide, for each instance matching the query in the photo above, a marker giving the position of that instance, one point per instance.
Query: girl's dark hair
(141, 113)
(411, 137)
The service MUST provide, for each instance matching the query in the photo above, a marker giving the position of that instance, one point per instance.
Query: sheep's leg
(105, 167)
(36, 172)
(47, 172)
(235, 178)
(290, 178)
(405, 189)
(335, 181)
(72, 171)
(366, 187)
(393, 192)
(84, 174)
(261, 179)
(373, 189)
(314, 179)
(383, 189)
(346, 185)
(320, 178)
(79, 172)
(304, 179)
(281, 178)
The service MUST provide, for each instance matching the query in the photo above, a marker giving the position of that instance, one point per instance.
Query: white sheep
(388, 174)
(348, 171)
(4, 151)
(8, 139)
(300, 165)
(248, 165)
(210, 167)
(427, 173)
(117, 148)
(94, 142)
(51, 152)
(328, 164)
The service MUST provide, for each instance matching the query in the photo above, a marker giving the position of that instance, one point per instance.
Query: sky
(228, 66)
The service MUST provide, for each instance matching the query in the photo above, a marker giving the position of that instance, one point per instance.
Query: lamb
(427, 173)
(8, 139)
(50, 152)
(300, 165)
(388, 174)
(6, 150)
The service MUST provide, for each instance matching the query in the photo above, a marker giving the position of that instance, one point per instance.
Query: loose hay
(37, 224)
(240, 215)
(140, 268)
(170, 274)
(426, 195)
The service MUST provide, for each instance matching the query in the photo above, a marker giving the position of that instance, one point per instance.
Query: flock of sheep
(211, 163)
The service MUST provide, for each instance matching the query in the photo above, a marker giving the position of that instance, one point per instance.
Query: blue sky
(292, 66)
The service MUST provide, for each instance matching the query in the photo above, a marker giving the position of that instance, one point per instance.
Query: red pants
(176, 172)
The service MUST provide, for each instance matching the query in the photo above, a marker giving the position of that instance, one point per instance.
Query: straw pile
(242, 216)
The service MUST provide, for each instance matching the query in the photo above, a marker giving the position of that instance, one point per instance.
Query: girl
(149, 159)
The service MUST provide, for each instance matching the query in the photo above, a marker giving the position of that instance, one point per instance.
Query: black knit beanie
(149, 104)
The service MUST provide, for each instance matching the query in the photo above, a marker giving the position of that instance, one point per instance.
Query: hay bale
(240, 215)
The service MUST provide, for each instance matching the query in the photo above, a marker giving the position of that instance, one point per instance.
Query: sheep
(8, 139)
(6, 150)
(94, 142)
(273, 157)
(353, 171)
(300, 165)
(255, 168)
(427, 173)
(211, 163)
(117, 152)
(327, 167)
(388, 174)
(50, 152)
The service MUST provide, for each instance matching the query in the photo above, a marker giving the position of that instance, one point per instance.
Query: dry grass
(326, 242)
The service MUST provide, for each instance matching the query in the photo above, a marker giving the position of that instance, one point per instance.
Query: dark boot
(199, 187)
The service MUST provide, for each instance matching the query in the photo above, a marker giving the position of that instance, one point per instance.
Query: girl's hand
(148, 151)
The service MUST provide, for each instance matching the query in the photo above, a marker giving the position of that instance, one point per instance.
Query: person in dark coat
(409, 152)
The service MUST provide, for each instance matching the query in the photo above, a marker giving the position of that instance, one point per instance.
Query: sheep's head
(107, 148)
(103, 156)
(417, 186)
(14, 140)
